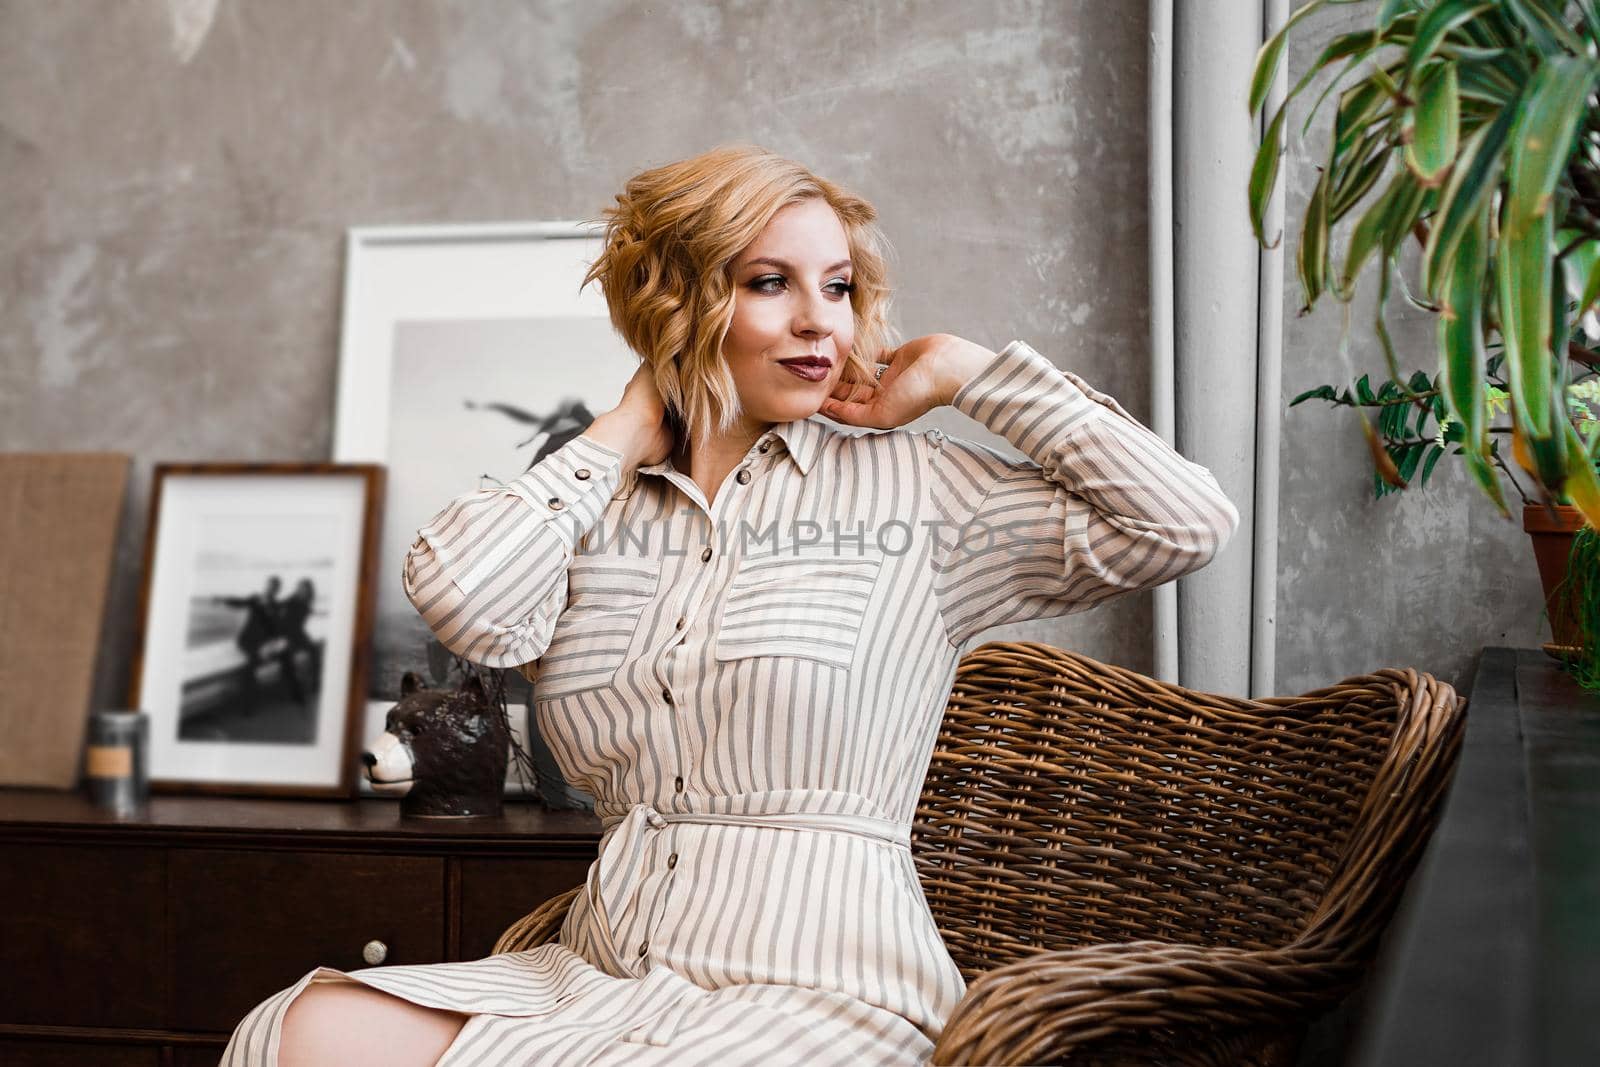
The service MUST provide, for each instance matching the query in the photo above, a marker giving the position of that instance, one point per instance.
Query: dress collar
(802, 440)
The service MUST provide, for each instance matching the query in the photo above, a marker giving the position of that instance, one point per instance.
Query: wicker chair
(1130, 872)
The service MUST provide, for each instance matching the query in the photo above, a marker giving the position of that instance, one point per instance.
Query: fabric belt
(817, 821)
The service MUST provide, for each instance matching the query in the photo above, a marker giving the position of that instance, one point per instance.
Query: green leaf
(1438, 118)
(1270, 54)
(1434, 452)
(1435, 23)
(1560, 323)
(1581, 484)
(1393, 9)
(1591, 288)
(1544, 26)
(1466, 196)
(1311, 259)
(1364, 390)
(1543, 139)
(1413, 455)
(1540, 145)
(1264, 175)
(1522, 268)
(1368, 231)
(1338, 79)
(1321, 392)
(1352, 183)
(1461, 357)
(1494, 82)
(1353, 123)
(1383, 225)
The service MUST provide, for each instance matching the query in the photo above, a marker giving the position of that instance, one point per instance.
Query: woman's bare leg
(333, 1024)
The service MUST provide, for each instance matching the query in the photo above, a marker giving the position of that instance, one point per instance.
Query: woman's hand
(637, 427)
(923, 374)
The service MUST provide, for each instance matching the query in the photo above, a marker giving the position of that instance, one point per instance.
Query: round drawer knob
(375, 952)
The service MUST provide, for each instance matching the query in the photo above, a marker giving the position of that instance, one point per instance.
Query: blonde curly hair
(666, 270)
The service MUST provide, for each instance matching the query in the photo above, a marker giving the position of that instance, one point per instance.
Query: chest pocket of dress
(606, 597)
(808, 605)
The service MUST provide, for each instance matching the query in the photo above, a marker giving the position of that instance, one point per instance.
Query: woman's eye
(839, 288)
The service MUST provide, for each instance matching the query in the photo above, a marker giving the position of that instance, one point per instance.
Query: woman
(743, 625)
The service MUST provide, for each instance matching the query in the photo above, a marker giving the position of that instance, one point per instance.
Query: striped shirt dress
(751, 689)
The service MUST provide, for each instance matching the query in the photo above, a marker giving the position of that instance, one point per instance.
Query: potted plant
(1486, 111)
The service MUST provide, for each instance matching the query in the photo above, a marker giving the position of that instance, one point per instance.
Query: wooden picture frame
(241, 698)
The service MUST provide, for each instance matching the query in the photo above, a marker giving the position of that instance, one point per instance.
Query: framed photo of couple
(254, 621)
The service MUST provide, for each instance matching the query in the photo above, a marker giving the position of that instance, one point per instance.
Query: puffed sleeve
(1099, 506)
(488, 573)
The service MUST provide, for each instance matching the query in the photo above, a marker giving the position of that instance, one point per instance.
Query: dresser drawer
(83, 929)
(246, 924)
(496, 893)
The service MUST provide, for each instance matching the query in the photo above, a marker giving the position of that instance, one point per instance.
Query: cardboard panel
(59, 514)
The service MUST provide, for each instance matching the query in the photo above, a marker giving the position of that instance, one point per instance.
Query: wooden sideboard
(1494, 955)
(144, 939)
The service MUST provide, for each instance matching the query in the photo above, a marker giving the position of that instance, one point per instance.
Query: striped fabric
(751, 688)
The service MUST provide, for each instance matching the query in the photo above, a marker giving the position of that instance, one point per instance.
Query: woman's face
(791, 302)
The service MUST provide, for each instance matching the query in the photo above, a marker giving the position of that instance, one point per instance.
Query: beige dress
(751, 690)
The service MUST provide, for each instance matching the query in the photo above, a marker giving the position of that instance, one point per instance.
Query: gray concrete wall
(176, 177)
(1422, 578)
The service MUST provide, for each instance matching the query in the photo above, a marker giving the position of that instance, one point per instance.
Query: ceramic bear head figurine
(444, 752)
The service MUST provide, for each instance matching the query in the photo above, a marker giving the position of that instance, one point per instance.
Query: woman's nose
(811, 319)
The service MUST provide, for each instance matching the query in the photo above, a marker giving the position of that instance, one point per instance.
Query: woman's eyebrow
(841, 265)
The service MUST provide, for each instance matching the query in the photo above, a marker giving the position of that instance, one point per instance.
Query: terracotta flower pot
(1552, 542)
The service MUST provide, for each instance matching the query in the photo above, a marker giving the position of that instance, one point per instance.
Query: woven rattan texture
(1131, 872)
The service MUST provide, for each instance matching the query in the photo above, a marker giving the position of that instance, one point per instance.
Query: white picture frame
(254, 622)
(447, 330)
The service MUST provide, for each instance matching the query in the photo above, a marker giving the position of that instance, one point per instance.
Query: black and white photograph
(481, 402)
(468, 355)
(258, 610)
(257, 631)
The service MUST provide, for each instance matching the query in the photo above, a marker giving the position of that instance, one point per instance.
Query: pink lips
(810, 368)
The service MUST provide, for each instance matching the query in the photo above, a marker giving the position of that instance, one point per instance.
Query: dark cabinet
(143, 940)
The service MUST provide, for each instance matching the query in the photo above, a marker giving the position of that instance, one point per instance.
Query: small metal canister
(116, 760)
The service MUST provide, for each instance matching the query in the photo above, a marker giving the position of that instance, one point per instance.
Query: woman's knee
(347, 1022)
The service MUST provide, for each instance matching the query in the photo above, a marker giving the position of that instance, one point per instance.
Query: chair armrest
(538, 926)
(1046, 1007)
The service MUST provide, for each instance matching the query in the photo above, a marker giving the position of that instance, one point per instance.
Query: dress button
(705, 556)
(582, 473)
(683, 620)
(555, 503)
(764, 447)
(677, 784)
(743, 477)
(644, 946)
(672, 860)
(666, 694)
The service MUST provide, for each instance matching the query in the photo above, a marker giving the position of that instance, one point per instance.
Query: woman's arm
(488, 573)
(1099, 506)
